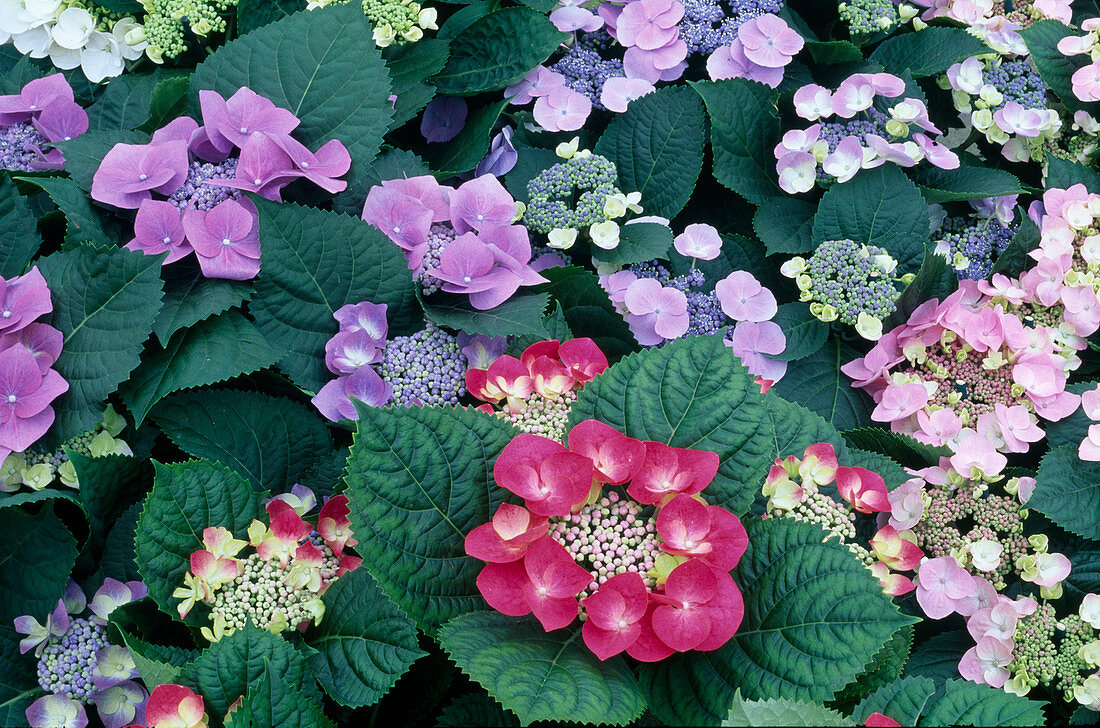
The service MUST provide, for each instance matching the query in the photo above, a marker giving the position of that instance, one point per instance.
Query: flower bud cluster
(1057, 653)
(850, 282)
(865, 17)
(36, 469)
(395, 22)
(165, 19)
(426, 369)
(972, 246)
(278, 587)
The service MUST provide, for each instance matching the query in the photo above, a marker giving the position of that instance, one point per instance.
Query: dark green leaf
(927, 52)
(517, 316)
(1062, 173)
(1015, 258)
(588, 311)
(965, 183)
(805, 332)
(18, 681)
(271, 441)
(419, 480)
(1067, 491)
(252, 14)
(108, 486)
(781, 712)
(657, 147)
(462, 153)
(638, 242)
(124, 103)
(967, 703)
(1056, 68)
(935, 279)
(167, 101)
(273, 700)
(904, 700)
(834, 51)
(785, 225)
(84, 223)
(21, 238)
(37, 554)
(485, 56)
(411, 65)
(817, 383)
(938, 658)
(190, 297)
(902, 448)
(540, 675)
(474, 710)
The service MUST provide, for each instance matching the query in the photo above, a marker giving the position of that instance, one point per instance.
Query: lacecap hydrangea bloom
(793, 488)
(535, 391)
(28, 350)
(72, 34)
(425, 369)
(278, 587)
(77, 664)
(31, 121)
(863, 136)
(848, 282)
(458, 240)
(186, 183)
(613, 530)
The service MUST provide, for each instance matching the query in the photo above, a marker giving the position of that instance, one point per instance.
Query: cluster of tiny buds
(969, 383)
(544, 415)
(816, 507)
(1048, 650)
(614, 535)
(426, 369)
(439, 237)
(194, 192)
(20, 145)
(65, 667)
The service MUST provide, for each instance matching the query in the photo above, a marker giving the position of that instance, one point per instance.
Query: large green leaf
(252, 14)
(155, 664)
(496, 50)
(814, 618)
(419, 480)
(228, 668)
(1067, 491)
(190, 297)
(966, 183)
(588, 311)
(805, 332)
(214, 350)
(904, 700)
(18, 682)
(83, 224)
(462, 153)
(104, 303)
(518, 316)
(540, 675)
(21, 238)
(474, 710)
(273, 700)
(744, 127)
(322, 65)
(782, 712)
(186, 498)
(817, 383)
(167, 101)
(639, 242)
(657, 147)
(928, 52)
(785, 225)
(271, 441)
(692, 393)
(961, 702)
(37, 554)
(1056, 68)
(364, 643)
(1064, 173)
(108, 486)
(410, 66)
(314, 262)
(124, 103)
(877, 207)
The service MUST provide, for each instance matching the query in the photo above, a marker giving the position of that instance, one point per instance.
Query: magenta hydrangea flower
(22, 300)
(321, 168)
(444, 117)
(263, 167)
(226, 239)
(230, 123)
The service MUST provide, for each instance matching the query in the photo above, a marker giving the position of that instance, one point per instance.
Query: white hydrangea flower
(73, 28)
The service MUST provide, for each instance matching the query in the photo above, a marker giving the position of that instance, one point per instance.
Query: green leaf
(108, 486)
(588, 311)
(18, 681)
(1062, 174)
(322, 65)
(540, 675)
(364, 643)
(410, 66)
(167, 101)
(474, 710)
(927, 52)
(391, 164)
(191, 297)
(1067, 491)
(517, 316)
(121, 6)
(186, 498)
(834, 51)
(117, 557)
(21, 238)
(938, 657)
(817, 383)
(785, 225)
(273, 700)
(884, 669)
(419, 480)
(84, 154)
(84, 223)
(530, 163)
(935, 279)
(638, 242)
(269, 440)
(967, 703)
(796, 428)
(124, 103)
(805, 332)
(104, 304)
(902, 448)
(904, 700)
(781, 713)
(966, 183)
(462, 153)
(37, 554)
(1055, 68)
(252, 14)
(314, 263)
(1015, 258)
(1073, 429)
(744, 128)
(691, 393)
(150, 661)
(877, 207)
(485, 56)
(657, 147)
(219, 348)
(814, 617)
(230, 667)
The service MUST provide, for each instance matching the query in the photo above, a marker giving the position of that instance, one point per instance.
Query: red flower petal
(606, 643)
(616, 457)
(502, 587)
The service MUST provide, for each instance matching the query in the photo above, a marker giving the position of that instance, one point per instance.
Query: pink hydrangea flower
(730, 61)
(619, 91)
(986, 663)
(743, 298)
(226, 239)
(941, 583)
(562, 109)
(699, 240)
(657, 312)
(768, 41)
(755, 344)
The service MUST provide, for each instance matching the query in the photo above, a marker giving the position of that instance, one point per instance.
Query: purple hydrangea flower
(263, 167)
(226, 239)
(481, 203)
(443, 118)
(755, 343)
(129, 173)
(480, 350)
(25, 396)
(365, 316)
(41, 340)
(158, 228)
(231, 123)
(22, 300)
(502, 156)
(334, 401)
